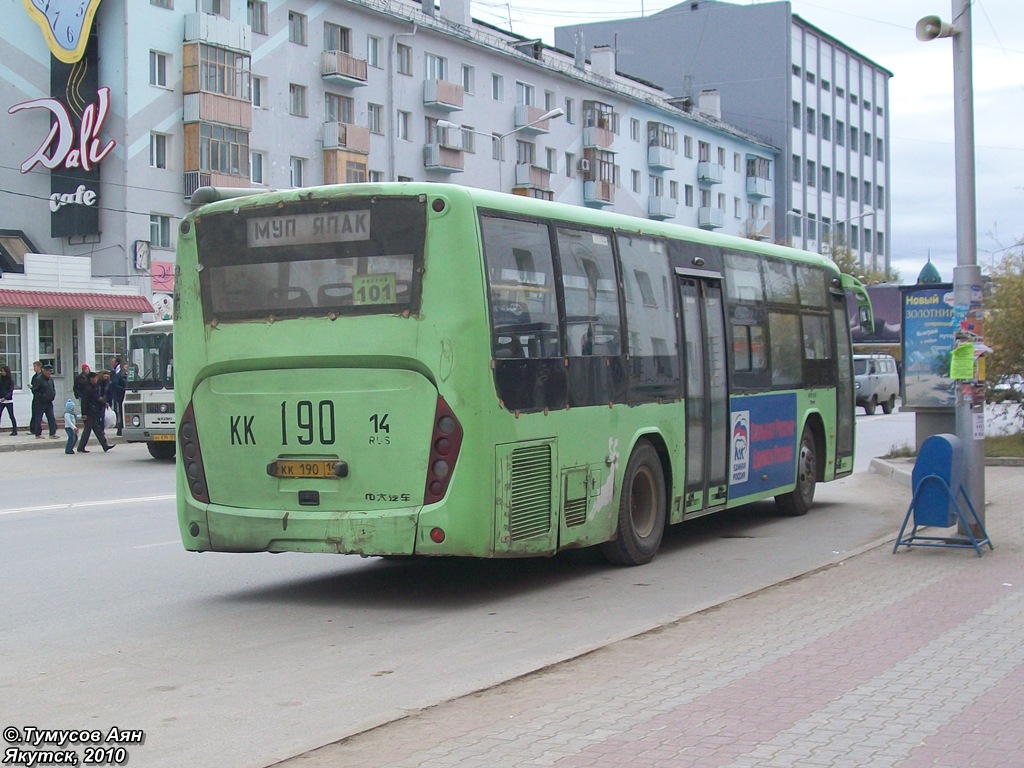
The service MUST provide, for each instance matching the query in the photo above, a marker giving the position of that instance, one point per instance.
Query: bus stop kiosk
(936, 501)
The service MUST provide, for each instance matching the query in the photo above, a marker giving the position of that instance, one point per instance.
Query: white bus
(149, 396)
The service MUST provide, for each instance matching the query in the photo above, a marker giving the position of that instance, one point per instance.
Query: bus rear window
(312, 258)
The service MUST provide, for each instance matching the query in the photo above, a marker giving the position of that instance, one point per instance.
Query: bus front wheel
(798, 501)
(162, 451)
(641, 519)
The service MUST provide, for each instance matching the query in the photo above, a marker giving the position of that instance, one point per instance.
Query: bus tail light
(444, 452)
(192, 456)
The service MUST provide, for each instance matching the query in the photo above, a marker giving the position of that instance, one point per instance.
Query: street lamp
(500, 138)
(970, 410)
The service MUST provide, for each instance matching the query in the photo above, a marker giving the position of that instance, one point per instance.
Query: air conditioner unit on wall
(583, 165)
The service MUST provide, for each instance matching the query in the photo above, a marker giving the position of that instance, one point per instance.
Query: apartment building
(823, 104)
(110, 124)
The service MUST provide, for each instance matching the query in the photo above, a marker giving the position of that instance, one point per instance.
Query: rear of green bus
(315, 391)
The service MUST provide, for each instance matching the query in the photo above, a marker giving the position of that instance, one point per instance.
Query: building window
(497, 148)
(497, 87)
(867, 144)
(404, 53)
(673, 190)
(373, 52)
(812, 171)
(375, 118)
(840, 184)
(880, 242)
(737, 162)
(570, 111)
(826, 127)
(840, 133)
(797, 113)
(436, 67)
(797, 166)
(339, 109)
(526, 152)
(296, 166)
(468, 78)
(525, 93)
(223, 150)
(570, 164)
(721, 201)
(160, 230)
(688, 195)
(810, 121)
(841, 93)
(216, 7)
(256, 12)
(655, 186)
(355, 172)
(634, 129)
(468, 135)
(703, 152)
(297, 100)
(635, 180)
(812, 227)
(737, 208)
(159, 4)
(854, 236)
(157, 69)
(403, 125)
(337, 38)
(811, 78)
(826, 85)
(854, 139)
(826, 179)
(10, 346)
(879, 149)
(297, 27)
(549, 100)
(688, 146)
(880, 197)
(158, 150)
(867, 192)
(110, 337)
(705, 198)
(551, 159)
(256, 167)
(721, 156)
(797, 220)
(259, 88)
(375, 176)
(854, 184)
(224, 72)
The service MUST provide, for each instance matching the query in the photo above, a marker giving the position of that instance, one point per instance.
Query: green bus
(427, 369)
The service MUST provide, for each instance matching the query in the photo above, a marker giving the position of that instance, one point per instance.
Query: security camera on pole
(970, 401)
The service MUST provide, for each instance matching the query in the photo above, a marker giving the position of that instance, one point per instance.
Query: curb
(12, 444)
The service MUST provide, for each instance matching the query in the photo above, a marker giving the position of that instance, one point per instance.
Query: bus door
(707, 395)
(845, 393)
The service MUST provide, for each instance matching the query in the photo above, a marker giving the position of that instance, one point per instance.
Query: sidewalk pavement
(912, 660)
(26, 441)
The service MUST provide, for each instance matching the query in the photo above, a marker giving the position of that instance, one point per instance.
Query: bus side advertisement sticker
(762, 448)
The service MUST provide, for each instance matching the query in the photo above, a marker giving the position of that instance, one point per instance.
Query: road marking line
(83, 504)
(161, 544)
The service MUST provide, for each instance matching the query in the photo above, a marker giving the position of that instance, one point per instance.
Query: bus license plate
(163, 437)
(324, 469)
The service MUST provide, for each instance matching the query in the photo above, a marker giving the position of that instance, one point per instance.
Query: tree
(844, 257)
(1005, 317)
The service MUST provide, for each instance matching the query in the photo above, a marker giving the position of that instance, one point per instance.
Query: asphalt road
(244, 660)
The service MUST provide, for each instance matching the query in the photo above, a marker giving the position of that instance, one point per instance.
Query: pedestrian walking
(118, 385)
(79, 387)
(37, 374)
(7, 398)
(43, 394)
(70, 425)
(93, 414)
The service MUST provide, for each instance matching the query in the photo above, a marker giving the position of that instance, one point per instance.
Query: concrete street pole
(967, 275)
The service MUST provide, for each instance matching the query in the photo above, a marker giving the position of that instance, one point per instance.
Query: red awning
(85, 301)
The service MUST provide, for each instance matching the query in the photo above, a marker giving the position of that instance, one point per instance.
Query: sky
(923, 185)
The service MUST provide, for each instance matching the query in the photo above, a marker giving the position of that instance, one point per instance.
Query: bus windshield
(150, 361)
(312, 258)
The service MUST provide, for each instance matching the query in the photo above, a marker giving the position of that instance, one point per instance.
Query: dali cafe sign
(71, 143)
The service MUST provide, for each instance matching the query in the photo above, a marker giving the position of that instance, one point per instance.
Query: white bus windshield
(150, 361)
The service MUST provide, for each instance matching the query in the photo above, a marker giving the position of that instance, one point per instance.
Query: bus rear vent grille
(530, 512)
(575, 512)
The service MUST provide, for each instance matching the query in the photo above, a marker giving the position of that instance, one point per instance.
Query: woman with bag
(7, 397)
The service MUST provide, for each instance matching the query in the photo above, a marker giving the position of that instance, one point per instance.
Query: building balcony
(342, 68)
(355, 138)
(710, 173)
(439, 157)
(532, 176)
(208, 107)
(196, 179)
(441, 94)
(710, 218)
(662, 158)
(526, 114)
(597, 137)
(598, 192)
(759, 187)
(662, 207)
(216, 30)
(759, 229)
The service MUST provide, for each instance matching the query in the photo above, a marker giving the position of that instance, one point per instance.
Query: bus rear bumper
(231, 529)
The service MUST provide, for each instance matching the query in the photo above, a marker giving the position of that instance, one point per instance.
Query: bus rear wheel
(642, 510)
(799, 500)
(889, 404)
(162, 451)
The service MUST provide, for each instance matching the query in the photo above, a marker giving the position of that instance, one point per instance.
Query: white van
(877, 382)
